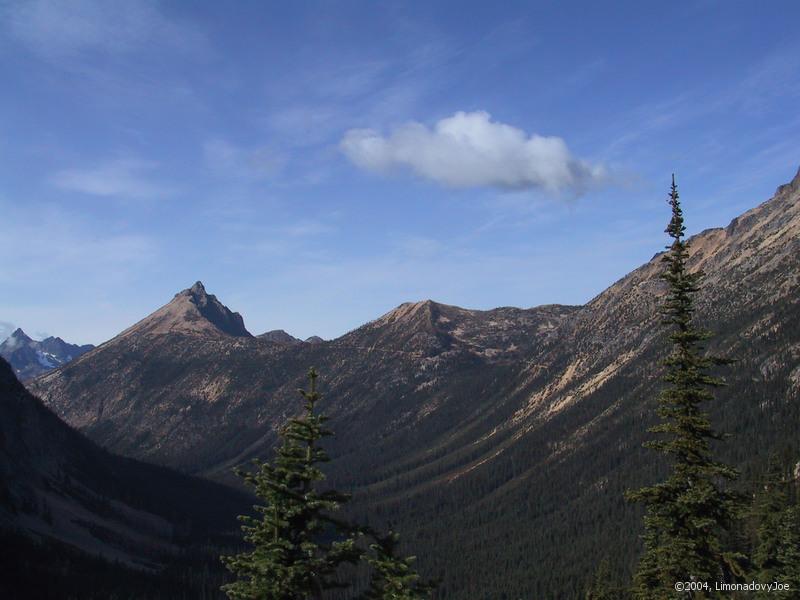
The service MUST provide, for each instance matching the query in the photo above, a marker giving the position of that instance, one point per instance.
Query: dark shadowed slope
(57, 486)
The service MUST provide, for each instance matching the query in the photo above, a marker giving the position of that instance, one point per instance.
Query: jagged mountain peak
(192, 310)
(197, 292)
(20, 335)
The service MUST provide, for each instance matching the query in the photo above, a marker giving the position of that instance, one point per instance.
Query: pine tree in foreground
(290, 559)
(687, 513)
(299, 547)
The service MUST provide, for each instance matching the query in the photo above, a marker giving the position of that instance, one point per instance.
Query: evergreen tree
(686, 513)
(393, 577)
(601, 587)
(789, 552)
(768, 507)
(298, 545)
(777, 552)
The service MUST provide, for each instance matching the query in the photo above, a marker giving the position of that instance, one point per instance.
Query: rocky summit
(466, 427)
(192, 311)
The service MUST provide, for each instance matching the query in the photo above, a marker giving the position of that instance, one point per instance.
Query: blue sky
(317, 164)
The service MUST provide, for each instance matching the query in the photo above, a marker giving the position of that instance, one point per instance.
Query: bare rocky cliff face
(451, 420)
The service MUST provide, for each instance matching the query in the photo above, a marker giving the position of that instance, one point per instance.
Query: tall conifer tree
(298, 545)
(687, 513)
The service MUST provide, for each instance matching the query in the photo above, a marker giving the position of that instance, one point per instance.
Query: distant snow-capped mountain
(30, 358)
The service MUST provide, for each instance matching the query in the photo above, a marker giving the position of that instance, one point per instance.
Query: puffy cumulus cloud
(470, 150)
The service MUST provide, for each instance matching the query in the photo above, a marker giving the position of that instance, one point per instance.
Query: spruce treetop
(686, 513)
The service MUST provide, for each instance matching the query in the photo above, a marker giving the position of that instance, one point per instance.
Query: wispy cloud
(57, 249)
(772, 77)
(6, 329)
(316, 104)
(308, 228)
(306, 124)
(60, 30)
(471, 150)
(69, 276)
(231, 160)
(343, 80)
(124, 178)
(419, 247)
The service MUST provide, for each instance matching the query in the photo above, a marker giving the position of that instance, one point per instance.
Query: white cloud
(126, 178)
(471, 150)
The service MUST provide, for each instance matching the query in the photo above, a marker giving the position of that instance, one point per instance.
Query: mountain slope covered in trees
(76, 519)
(509, 435)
